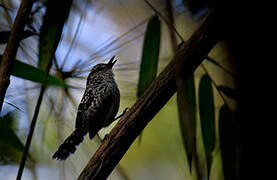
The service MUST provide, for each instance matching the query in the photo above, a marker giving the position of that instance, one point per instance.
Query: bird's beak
(111, 62)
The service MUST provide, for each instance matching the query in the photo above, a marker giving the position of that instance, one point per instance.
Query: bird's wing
(110, 106)
(107, 106)
(98, 107)
(89, 98)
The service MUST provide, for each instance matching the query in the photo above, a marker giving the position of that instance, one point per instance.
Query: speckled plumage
(96, 110)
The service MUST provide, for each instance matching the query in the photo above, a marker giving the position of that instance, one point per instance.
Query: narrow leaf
(34, 74)
(51, 30)
(227, 142)
(213, 61)
(150, 55)
(232, 93)
(186, 101)
(7, 135)
(220, 66)
(11, 147)
(207, 117)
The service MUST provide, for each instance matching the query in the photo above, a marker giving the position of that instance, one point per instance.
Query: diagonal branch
(12, 46)
(115, 145)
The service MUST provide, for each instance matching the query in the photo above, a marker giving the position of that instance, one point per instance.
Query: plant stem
(12, 46)
(30, 135)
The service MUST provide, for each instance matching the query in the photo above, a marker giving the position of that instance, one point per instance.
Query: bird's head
(102, 67)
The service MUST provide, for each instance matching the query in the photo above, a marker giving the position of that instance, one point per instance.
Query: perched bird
(96, 110)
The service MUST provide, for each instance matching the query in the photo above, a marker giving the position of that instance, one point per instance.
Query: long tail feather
(69, 145)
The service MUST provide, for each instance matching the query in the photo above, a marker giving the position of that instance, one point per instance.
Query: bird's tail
(69, 145)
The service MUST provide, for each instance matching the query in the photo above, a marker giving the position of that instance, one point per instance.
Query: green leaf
(150, 55)
(34, 74)
(207, 117)
(232, 93)
(186, 100)
(227, 142)
(11, 147)
(51, 30)
(7, 135)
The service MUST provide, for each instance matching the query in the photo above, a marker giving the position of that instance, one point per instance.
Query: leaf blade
(51, 30)
(207, 117)
(186, 102)
(227, 142)
(11, 147)
(28, 72)
(7, 135)
(150, 55)
(230, 92)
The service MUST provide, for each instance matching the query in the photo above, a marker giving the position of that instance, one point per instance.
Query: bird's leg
(106, 136)
(122, 114)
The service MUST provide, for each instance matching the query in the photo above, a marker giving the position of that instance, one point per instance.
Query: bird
(97, 109)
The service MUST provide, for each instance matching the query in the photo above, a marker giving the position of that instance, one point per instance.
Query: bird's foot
(122, 114)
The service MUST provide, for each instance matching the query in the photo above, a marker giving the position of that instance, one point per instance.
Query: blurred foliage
(232, 93)
(187, 116)
(227, 142)
(34, 74)
(10, 145)
(51, 30)
(207, 117)
(150, 55)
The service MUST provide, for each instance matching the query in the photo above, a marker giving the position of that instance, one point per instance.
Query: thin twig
(74, 36)
(30, 134)
(105, 49)
(34, 119)
(120, 45)
(118, 38)
(170, 25)
(12, 46)
(13, 105)
(220, 66)
(7, 15)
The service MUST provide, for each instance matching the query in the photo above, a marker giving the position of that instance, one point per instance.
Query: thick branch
(12, 46)
(115, 145)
